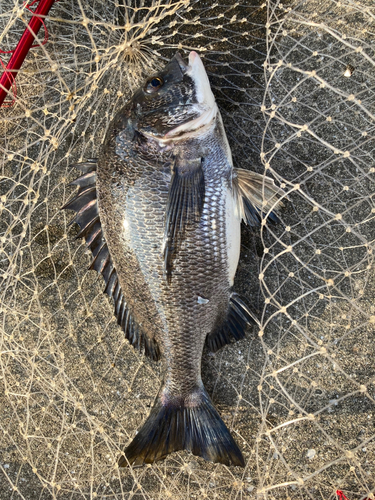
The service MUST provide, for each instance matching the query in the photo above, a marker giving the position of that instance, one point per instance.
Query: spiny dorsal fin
(85, 204)
(239, 316)
(184, 206)
(257, 196)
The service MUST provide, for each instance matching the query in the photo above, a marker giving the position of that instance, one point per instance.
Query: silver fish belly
(161, 210)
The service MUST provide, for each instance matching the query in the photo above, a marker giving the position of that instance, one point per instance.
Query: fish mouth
(194, 61)
(190, 128)
(206, 107)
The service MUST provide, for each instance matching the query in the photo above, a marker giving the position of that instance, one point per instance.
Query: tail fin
(197, 428)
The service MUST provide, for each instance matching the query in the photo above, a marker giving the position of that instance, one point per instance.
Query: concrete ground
(298, 392)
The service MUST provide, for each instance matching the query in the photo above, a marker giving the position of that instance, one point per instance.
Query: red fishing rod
(24, 45)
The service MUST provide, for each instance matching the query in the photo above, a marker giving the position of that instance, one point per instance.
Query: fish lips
(159, 125)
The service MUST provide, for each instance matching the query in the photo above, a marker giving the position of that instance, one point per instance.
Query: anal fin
(239, 316)
(257, 197)
(85, 204)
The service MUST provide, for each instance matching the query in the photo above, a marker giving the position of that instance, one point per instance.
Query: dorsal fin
(85, 204)
(239, 316)
(184, 206)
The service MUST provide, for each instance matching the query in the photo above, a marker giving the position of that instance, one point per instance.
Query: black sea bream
(161, 210)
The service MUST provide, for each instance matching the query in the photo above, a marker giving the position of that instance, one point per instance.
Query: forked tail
(196, 427)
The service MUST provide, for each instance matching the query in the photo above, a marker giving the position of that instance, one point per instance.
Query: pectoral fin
(184, 206)
(257, 197)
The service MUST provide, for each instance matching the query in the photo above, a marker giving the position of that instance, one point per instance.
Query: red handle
(23, 47)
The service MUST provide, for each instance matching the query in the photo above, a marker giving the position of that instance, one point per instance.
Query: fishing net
(295, 83)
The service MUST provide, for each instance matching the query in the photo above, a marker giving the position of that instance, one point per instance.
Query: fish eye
(154, 84)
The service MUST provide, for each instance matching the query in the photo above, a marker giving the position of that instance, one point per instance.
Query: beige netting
(296, 86)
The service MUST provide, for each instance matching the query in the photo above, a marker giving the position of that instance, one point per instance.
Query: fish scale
(161, 211)
(185, 322)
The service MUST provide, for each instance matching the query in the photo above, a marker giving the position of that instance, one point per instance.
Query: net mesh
(295, 84)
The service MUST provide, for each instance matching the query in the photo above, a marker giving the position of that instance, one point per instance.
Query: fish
(161, 210)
